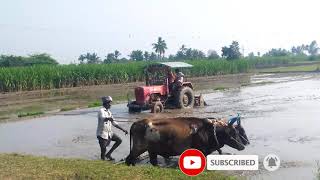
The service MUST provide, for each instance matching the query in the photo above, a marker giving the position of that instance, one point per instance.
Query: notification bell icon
(272, 162)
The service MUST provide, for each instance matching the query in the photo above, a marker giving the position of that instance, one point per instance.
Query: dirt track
(280, 118)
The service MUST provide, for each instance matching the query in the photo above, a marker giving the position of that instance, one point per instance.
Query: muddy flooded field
(280, 114)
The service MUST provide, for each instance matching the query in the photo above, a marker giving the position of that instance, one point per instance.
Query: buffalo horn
(232, 121)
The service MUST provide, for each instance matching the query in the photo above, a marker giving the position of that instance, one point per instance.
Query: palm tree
(160, 47)
(146, 56)
(92, 58)
(183, 48)
(136, 55)
(313, 48)
(82, 58)
(117, 54)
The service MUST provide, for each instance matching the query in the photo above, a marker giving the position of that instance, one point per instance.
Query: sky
(67, 28)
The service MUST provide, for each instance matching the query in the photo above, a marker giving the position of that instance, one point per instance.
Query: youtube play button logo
(192, 162)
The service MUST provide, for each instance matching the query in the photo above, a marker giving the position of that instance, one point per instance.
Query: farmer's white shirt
(104, 128)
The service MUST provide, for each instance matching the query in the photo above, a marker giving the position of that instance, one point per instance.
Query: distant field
(15, 166)
(66, 76)
(298, 68)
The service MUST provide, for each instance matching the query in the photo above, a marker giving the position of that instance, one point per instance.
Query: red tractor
(162, 92)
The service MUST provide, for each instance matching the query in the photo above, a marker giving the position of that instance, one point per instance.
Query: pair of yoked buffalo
(172, 136)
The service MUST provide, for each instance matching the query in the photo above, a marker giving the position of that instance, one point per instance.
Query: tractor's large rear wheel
(185, 98)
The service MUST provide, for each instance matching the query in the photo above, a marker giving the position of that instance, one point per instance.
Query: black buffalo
(171, 136)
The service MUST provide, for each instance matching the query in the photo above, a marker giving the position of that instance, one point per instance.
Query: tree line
(311, 50)
(34, 59)
(231, 52)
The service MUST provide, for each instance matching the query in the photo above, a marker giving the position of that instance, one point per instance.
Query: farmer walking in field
(104, 131)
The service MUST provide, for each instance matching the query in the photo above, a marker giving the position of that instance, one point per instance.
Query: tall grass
(65, 76)
(267, 62)
(217, 67)
(318, 171)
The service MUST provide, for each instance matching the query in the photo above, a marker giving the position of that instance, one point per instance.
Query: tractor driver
(171, 79)
(179, 77)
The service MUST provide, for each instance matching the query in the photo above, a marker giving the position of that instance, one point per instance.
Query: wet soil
(280, 115)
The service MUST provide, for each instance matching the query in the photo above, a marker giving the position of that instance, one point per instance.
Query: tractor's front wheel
(133, 108)
(157, 107)
(185, 98)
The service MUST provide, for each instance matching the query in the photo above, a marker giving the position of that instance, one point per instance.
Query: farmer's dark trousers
(105, 142)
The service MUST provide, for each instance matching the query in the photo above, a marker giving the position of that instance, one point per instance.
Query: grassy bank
(13, 166)
(25, 114)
